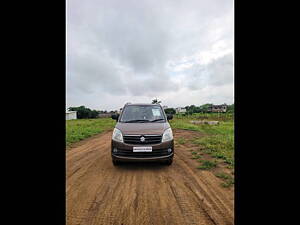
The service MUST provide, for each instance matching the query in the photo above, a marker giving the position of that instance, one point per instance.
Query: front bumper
(130, 158)
(159, 152)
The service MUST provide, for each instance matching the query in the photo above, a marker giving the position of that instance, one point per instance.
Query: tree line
(193, 109)
(84, 113)
(198, 109)
(87, 113)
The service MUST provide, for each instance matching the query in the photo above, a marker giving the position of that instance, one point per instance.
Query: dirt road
(141, 193)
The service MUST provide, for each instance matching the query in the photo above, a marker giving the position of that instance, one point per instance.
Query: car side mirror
(115, 117)
(169, 116)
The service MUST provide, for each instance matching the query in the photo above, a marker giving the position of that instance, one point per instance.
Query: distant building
(165, 107)
(218, 108)
(180, 110)
(71, 115)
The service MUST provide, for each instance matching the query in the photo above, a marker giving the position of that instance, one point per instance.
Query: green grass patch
(228, 180)
(80, 129)
(207, 164)
(206, 116)
(227, 184)
(218, 140)
(196, 157)
(223, 176)
(218, 146)
(230, 167)
(181, 141)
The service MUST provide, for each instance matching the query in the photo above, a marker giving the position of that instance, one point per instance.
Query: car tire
(168, 162)
(116, 162)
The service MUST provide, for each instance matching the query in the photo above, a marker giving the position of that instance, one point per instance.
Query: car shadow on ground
(141, 166)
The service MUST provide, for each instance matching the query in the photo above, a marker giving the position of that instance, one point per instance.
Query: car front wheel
(168, 162)
(116, 162)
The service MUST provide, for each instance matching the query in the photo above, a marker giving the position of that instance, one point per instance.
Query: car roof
(142, 104)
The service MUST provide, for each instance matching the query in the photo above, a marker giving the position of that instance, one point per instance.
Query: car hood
(142, 128)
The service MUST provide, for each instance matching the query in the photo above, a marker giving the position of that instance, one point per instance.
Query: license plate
(142, 149)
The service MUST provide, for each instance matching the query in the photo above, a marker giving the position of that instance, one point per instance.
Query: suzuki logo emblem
(142, 139)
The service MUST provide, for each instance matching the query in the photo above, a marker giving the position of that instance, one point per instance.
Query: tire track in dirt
(206, 181)
(141, 193)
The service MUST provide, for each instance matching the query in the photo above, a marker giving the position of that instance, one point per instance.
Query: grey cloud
(122, 47)
(151, 85)
(93, 73)
(221, 71)
(216, 73)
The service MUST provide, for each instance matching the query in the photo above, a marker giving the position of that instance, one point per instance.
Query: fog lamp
(115, 150)
(169, 150)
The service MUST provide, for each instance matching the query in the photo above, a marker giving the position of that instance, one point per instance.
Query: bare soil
(142, 193)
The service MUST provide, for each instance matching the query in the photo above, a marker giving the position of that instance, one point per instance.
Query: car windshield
(142, 114)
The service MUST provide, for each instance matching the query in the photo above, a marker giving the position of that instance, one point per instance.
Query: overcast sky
(179, 51)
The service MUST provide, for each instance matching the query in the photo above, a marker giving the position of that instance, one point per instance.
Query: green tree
(205, 107)
(84, 113)
(170, 111)
(230, 108)
(94, 113)
(192, 109)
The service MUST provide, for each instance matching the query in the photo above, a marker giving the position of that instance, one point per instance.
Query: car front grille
(154, 153)
(148, 139)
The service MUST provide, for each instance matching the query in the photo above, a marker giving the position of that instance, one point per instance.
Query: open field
(207, 116)
(214, 150)
(196, 189)
(77, 130)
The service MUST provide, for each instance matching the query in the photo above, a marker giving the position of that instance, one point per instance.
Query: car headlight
(168, 135)
(117, 135)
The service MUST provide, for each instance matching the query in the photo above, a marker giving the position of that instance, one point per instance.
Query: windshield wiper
(156, 120)
(133, 121)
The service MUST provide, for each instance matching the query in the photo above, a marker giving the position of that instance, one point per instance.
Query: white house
(71, 115)
(180, 110)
